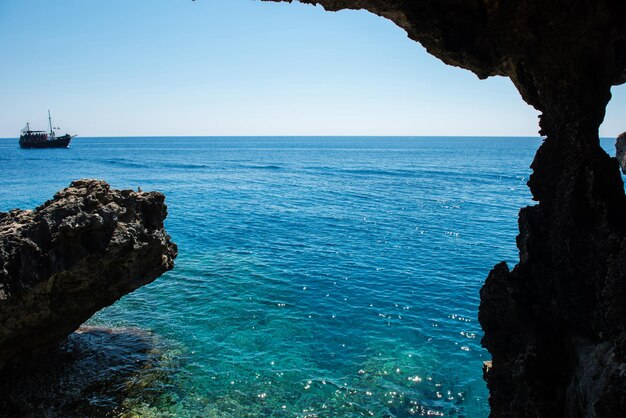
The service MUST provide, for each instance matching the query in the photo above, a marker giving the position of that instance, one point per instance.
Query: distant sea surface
(317, 276)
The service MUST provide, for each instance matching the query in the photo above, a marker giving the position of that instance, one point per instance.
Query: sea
(316, 276)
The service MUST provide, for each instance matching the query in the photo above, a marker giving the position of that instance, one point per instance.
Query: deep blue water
(316, 276)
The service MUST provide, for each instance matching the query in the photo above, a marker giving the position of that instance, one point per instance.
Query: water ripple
(316, 276)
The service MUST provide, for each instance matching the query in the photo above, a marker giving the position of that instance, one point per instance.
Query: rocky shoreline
(555, 324)
(72, 256)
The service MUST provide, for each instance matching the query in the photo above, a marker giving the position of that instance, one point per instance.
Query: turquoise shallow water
(316, 276)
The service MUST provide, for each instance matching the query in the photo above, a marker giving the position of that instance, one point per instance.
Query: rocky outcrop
(620, 151)
(72, 256)
(556, 324)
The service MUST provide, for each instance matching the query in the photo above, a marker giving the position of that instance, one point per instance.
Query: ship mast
(50, 122)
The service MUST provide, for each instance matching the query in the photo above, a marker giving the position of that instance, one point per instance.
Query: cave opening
(554, 325)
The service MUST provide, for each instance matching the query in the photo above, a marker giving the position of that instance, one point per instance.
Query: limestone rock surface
(72, 256)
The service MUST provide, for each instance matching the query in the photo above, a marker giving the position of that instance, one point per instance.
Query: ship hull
(60, 142)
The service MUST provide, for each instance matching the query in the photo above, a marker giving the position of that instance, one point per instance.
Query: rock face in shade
(95, 372)
(620, 151)
(72, 256)
(555, 324)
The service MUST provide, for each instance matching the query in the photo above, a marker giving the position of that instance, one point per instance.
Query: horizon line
(302, 136)
(306, 136)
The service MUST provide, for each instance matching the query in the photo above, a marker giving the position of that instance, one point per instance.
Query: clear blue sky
(239, 67)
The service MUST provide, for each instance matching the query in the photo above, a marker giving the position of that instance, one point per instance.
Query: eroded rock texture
(556, 324)
(620, 151)
(72, 256)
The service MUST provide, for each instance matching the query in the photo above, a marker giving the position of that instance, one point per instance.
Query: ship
(43, 139)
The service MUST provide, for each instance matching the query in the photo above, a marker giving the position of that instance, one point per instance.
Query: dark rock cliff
(620, 151)
(72, 256)
(556, 324)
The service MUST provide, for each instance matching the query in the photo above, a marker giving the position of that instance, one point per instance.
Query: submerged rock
(95, 372)
(620, 151)
(72, 256)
